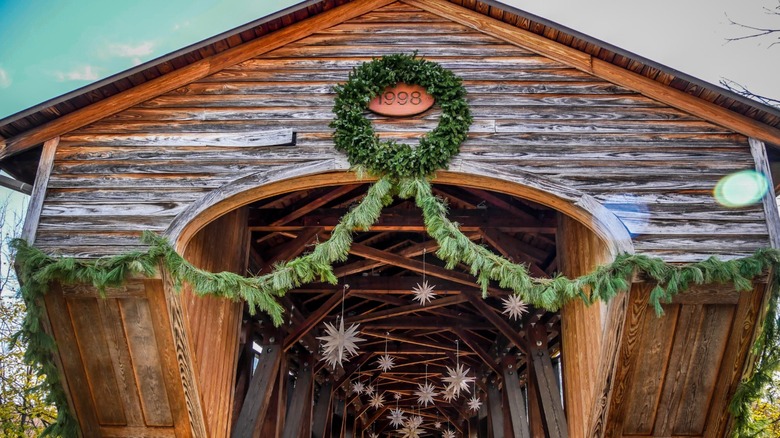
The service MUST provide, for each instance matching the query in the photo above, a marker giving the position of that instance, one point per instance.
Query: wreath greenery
(355, 135)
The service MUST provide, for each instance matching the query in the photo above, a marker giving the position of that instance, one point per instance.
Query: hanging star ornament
(423, 293)
(437, 424)
(397, 396)
(449, 393)
(410, 430)
(474, 403)
(377, 401)
(374, 435)
(396, 417)
(448, 434)
(339, 344)
(514, 306)
(385, 362)
(358, 387)
(458, 379)
(369, 390)
(425, 394)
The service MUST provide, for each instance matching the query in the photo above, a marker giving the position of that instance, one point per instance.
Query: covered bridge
(576, 153)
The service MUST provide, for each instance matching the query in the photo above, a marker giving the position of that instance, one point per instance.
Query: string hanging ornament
(457, 378)
(357, 386)
(423, 292)
(426, 392)
(340, 344)
(386, 362)
(396, 416)
(377, 400)
(474, 403)
(514, 306)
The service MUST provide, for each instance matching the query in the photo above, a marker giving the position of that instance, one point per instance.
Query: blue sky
(50, 47)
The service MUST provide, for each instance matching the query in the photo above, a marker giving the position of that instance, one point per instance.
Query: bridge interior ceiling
(377, 279)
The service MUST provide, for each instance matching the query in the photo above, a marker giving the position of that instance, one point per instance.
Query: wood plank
(123, 365)
(498, 322)
(142, 342)
(131, 288)
(299, 412)
(258, 397)
(732, 368)
(176, 358)
(702, 370)
(251, 139)
(549, 391)
(649, 373)
(136, 432)
(516, 399)
(495, 410)
(294, 334)
(34, 208)
(758, 151)
(72, 363)
(321, 409)
(185, 75)
(91, 342)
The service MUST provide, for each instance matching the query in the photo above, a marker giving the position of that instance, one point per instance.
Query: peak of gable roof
(20, 124)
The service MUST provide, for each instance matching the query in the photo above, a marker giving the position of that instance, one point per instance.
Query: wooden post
(299, 415)
(535, 421)
(514, 394)
(495, 413)
(258, 396)
(552, 407)
(321, 410)
(35, 207)
(582, 327)
(473, 426)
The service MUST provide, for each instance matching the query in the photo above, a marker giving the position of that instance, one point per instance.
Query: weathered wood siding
(653, 165)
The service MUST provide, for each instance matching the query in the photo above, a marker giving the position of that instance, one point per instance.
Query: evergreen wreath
(355, 136)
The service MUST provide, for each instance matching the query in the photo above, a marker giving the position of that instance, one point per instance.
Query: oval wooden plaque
(401, 100)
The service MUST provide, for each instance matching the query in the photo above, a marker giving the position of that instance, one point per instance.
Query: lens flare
(740, 189)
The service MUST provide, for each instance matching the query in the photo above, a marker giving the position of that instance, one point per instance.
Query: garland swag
(404, 173)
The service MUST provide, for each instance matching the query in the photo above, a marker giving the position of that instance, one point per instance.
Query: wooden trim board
(35, 207)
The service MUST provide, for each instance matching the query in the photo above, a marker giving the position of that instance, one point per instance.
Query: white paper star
(358, 387)
(369, 390)
(437, 424)
(449, 393)
(376, 435)
(474, 403)
(410, 430)
(458, 379)
(416, 420)
(423, 293)
(339, 343)
(377, 401)
(425, 394)
(514, 306)
(397, 396)
(448, 434)
(396, 417)
(385, 362)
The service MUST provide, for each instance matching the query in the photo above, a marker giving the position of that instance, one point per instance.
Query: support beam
(299, 414)
(302, 328)
(405, 310)
(322, 410)
(514, 394)
(495, 411)
(497, 321)
(258, 397)
(35, 207)
(552, 406)
(472, 343)
(15, 185)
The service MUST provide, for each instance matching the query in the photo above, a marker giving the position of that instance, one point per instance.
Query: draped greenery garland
(403, 173)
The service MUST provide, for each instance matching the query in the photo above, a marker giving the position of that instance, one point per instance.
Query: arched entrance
(280, 385)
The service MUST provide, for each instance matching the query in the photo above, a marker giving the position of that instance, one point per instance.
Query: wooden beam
(353, 366)
(407, 340)
(510, 248)
(185, 75)
(411, 323)
(472, 343)
(19, 186)
(416, 266)
(292, 248)
(315, 204)
(405, 310)
(298, 416)
(303, 327)
(495, 411)
(35, 207)
(258, 397)
(514, 394)
(758, 150)
(552, 406)
(498, 322)
(322, 409)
